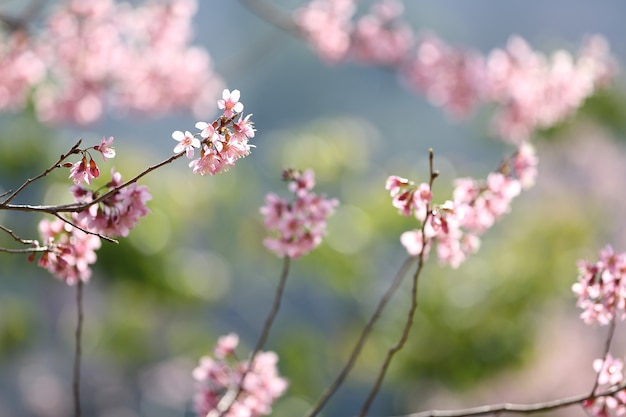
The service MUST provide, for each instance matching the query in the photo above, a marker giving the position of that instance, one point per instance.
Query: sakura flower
(71, 250)
(105, 148)
(117, 214)
(83, 171)
(209, 162)
(601, 288)
(186, 142)
(230, 103)
(299, 225)
(207, 130)
(223, 376)
(610, 375)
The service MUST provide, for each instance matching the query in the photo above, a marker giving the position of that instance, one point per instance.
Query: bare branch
(74, 149)
(108, 239)
(508, 408)
(332, 388)
(272, 15)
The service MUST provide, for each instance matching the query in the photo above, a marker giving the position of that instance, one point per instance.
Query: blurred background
(501, 328)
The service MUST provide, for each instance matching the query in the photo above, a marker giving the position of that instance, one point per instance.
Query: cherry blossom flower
(230, 103)
(71, 250)
(91, 55)
(84, 171)
(300, 224)
(224, 140)
(105, 148)
(609, 375)
(601, 288)
(117, 214)
(186, 142)
(221, 377)
(455, 225)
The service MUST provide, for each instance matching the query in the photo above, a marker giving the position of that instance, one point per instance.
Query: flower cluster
(455, 225)
(299, 224)
(86, 170)
(601, 288)
(610, 374)
(118, 212)
(220, 380)
(529, 89)
(99, 52)
(222, 142)
(70, 250)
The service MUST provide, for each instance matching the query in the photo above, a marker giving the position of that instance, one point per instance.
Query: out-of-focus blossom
(327, 26)
(219, 379)
(300, 224)
(609, 375)
(601, 288)
(71, 250)
(96, 53)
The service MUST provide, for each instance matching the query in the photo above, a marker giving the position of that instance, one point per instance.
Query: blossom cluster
(248, 389)
(94, 53)
(601, 288)
(221, 142)
(610, 374)
(455, 225)
(299, 224)
(529, 89)
(70, 250)
(116, 214)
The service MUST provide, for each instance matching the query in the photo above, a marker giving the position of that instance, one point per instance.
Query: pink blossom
(220, 378)
(601, 289)
(71, 250)
(209, 162)
(380, 37)
(83, 171)
(609, 375)
(90, 55)
(186, 142)
(298, 225)
(117, 214)
(230, 103)
(105, 148)
(207, 130)
(327, 26)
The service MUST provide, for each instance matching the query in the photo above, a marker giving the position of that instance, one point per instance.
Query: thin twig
(16, 237)
(108, 239)
(332, 388)
(273, 15)
(508, 408)
(77, 352)
(29, 181)
(413, 306)
(229, 400)
(607, 348)
(78, 207)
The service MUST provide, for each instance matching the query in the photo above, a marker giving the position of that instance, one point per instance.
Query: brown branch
(413, 307)
(607, 348)
(74, 149)
(508, 408)
(77, 352)
(272, 15)
(71, 223)
(229, 400)
(78, 207)
(332, 388)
